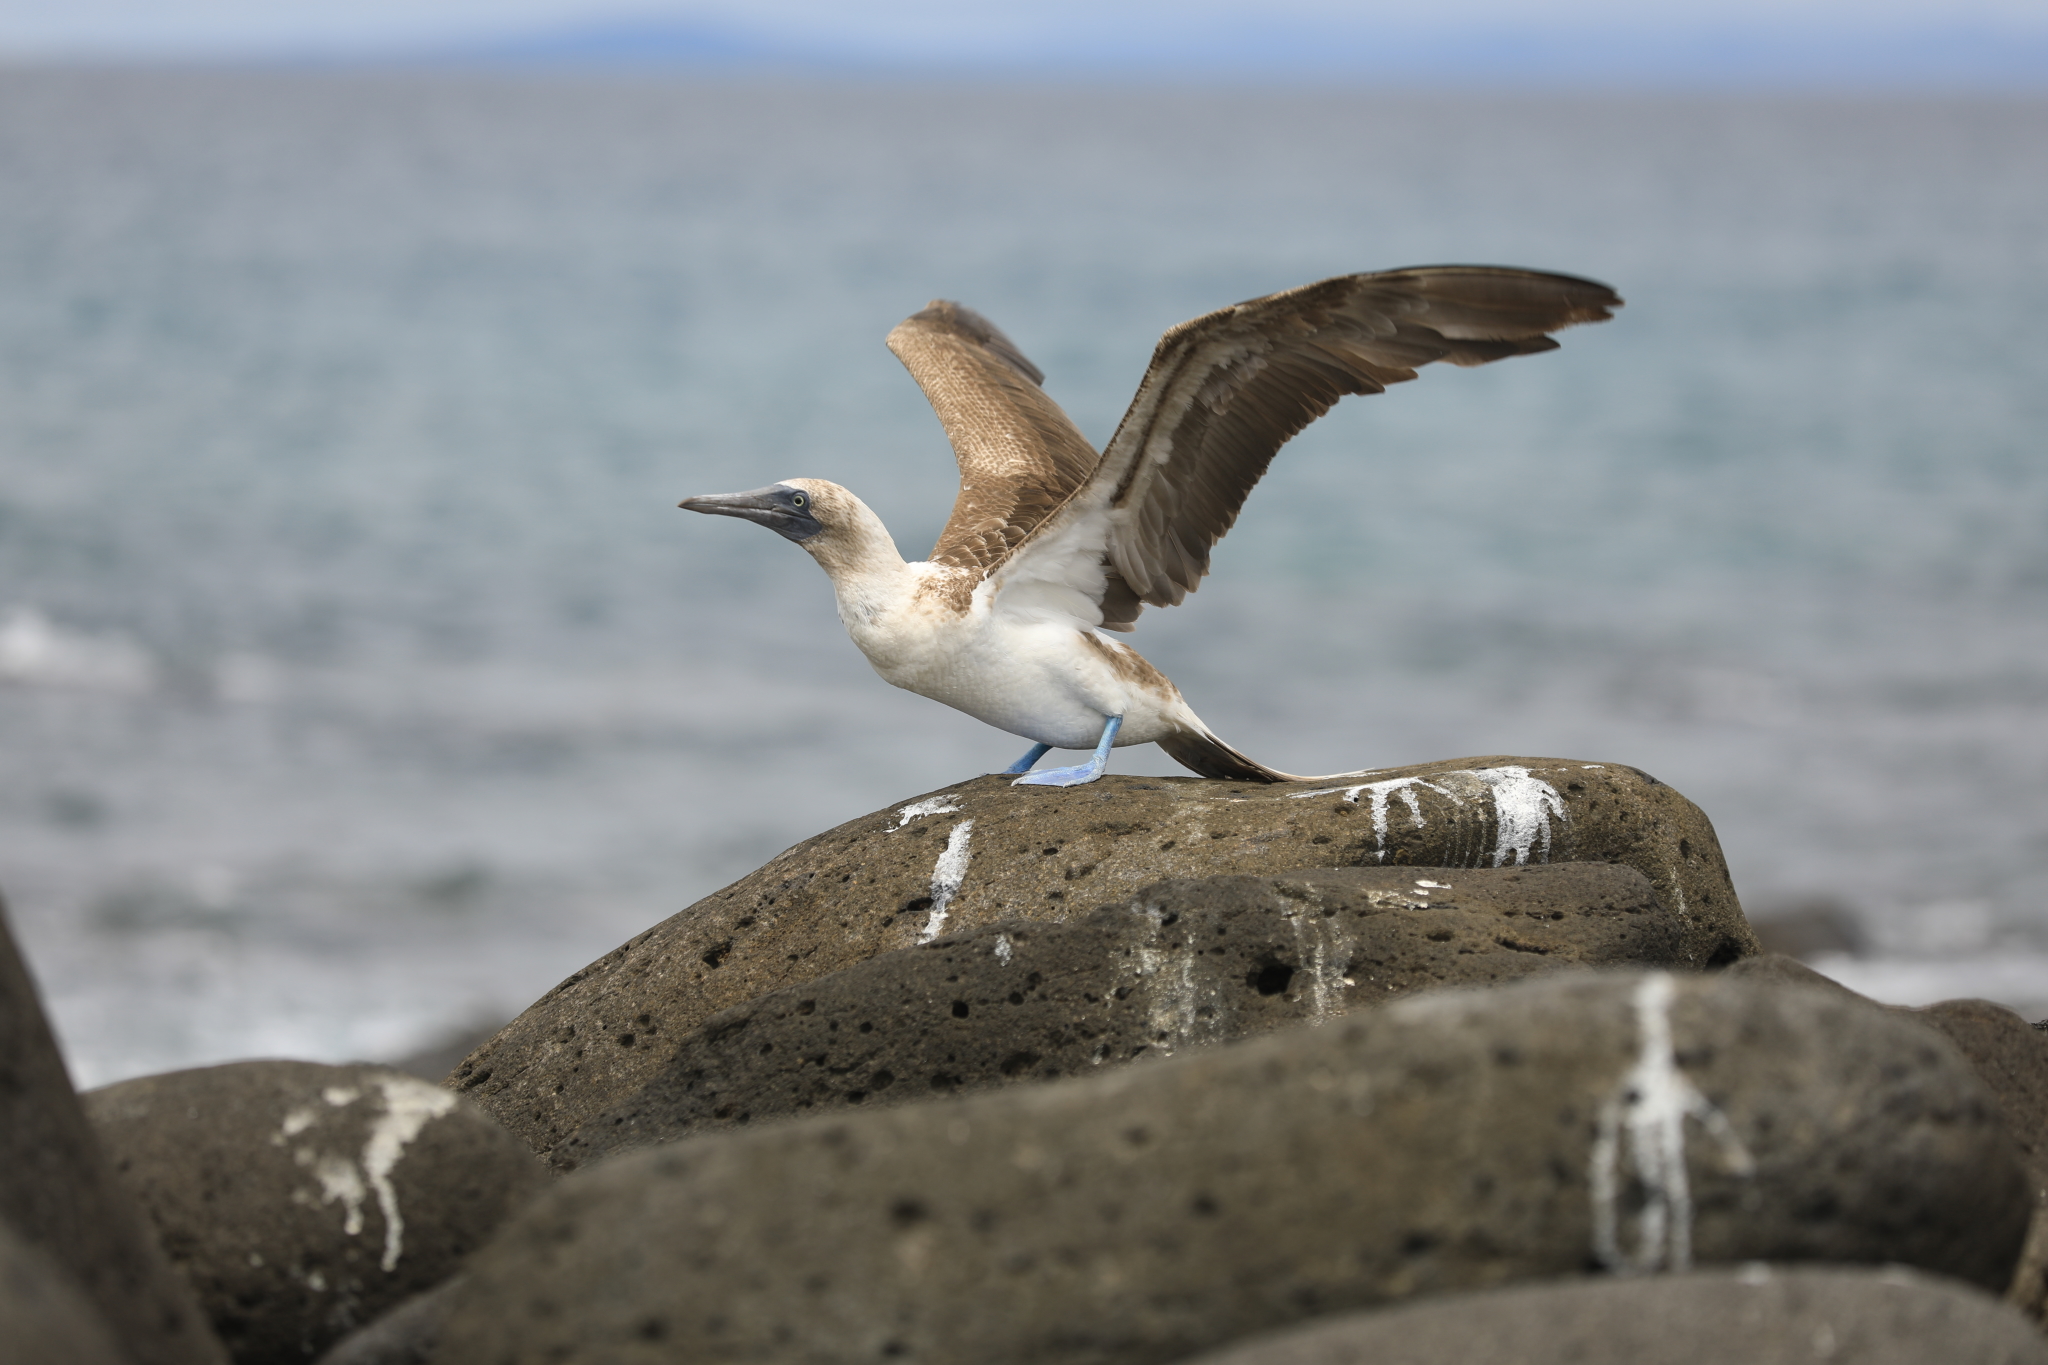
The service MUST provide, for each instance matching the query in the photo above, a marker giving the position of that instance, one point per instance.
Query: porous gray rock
(1184, 963)
(1758, 1315)
(303, 1200)
(986, 851)
(1787, 970)
(45, 1319)
(1808, 927)
(1452, 1140)
(2011, 1057)
(62, 1199)
(406, 1335)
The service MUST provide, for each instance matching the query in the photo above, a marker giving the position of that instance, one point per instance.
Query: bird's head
(836, 527)
(787, 508)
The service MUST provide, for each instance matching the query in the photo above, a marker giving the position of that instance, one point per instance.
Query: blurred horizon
(1817, 45)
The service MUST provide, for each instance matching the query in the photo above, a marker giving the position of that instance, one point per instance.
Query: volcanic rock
(302, 1200)
(986, 851)
(1790, 971)
(1809, 927)
(1185, 962)
(2011, 1057)
(1758, 1315)
(1452, 1140)
(407, 1335)
(45, 1319)
(60, 1197)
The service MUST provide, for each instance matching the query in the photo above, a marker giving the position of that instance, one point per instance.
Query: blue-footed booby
(1051, 546)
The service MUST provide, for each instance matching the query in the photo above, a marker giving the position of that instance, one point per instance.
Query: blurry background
(359, 679)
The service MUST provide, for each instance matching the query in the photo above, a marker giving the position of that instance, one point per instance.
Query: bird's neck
(868, 574)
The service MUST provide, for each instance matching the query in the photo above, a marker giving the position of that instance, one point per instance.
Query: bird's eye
(798, 500)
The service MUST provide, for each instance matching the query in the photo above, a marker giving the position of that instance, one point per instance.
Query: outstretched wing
(1020, 456)
(1226, 391)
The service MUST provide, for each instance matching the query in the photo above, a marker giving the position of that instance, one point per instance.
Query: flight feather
(1223, 393)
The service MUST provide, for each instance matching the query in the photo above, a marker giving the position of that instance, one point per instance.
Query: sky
(1886, 41)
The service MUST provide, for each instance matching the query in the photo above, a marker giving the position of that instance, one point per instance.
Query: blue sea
(359, 678)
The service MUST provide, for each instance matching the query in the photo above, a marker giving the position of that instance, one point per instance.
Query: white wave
(36, 652)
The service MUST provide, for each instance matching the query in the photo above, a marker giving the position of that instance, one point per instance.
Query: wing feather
(1020, 456)
(1225, 391)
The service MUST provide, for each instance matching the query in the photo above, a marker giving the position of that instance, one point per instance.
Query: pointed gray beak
(782, 509)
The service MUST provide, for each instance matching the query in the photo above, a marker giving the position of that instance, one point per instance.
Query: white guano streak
(1522, 807)
(947, 874)
(942, 804)
(1643, 1121)
(409, 1104)
(1402, 786)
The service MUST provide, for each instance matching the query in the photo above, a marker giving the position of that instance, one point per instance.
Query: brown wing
(1226, 391)
(1020, 455)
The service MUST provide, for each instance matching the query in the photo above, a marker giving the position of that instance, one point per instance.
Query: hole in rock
(1269, 978)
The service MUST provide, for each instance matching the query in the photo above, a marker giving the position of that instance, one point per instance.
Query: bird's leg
(1023, 765)
(1080, 772)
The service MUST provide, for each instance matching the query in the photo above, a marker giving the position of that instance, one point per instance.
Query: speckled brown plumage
(1223, 393)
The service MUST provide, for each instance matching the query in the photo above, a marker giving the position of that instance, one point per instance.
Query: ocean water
(359, 679)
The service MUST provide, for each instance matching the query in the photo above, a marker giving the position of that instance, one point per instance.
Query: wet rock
(1453, 1140)
(45, 1319)
(1184, 963)
(303, 1200)
(1778, 1315)
(985, 851)
(59, 1195)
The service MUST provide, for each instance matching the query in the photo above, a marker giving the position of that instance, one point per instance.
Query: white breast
(1030, 672)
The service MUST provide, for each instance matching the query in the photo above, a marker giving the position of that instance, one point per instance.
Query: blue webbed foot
(1063, 777)
(1080, 772)
(1023, 765)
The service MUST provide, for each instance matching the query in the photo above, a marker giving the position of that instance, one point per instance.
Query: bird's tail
(1201, 752)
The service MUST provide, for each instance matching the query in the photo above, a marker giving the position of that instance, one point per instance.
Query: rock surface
(407, 1335)
(2011, 1057)
(1454, 1140)
(1184, 963)
(302, 1200)
(1790, 971)
(1778, 1315)
(985, 852)
(45, 1319)
(60, 1197)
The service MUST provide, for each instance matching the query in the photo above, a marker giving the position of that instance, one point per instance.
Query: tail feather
(1202, 753)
